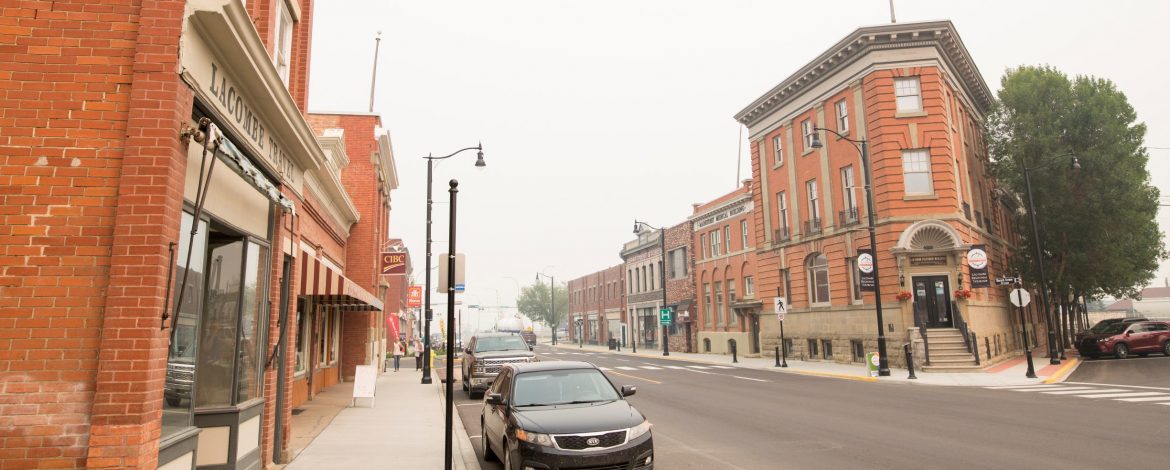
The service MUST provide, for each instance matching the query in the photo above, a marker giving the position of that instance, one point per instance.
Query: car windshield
(500, 343)
(562, 387)
(1111, 329)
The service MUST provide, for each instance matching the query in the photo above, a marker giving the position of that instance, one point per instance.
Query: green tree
(1097, 224)
(534, 302)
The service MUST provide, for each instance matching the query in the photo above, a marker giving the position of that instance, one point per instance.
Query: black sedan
(561, 415)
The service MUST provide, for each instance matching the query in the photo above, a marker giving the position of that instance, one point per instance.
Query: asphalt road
(1152, 371)
(731, 418)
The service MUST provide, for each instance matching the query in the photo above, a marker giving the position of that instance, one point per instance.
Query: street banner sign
(459, 264)
(414, 296)
(865, 269)
(664, 316)
(392, 326)
(977, 266)
(780, 304)
(1020, 297)
(393, 263)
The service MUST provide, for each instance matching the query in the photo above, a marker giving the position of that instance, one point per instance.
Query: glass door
(932, 301)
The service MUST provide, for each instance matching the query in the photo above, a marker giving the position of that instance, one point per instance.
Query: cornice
(938, 34)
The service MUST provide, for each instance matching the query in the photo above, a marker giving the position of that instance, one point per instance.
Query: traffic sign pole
(1021, 300)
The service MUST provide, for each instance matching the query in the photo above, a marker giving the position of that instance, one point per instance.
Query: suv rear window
(500, 343)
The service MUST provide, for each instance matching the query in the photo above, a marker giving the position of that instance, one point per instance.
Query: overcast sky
(594, 113)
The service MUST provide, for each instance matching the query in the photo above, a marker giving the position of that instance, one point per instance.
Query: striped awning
(329, 287)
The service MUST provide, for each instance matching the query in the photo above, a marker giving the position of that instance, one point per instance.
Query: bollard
(777, 356)
(909, 360)
(734, 359)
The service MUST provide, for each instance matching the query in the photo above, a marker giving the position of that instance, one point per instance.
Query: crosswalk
(1155, 396)
(660, 367)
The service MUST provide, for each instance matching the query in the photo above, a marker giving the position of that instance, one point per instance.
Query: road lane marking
(623, 360)
(1078, 392)
(1013, 387)
(1121, 395)
(749, 378)
(604, 368)
(473, 437)
(1161, 398)
(698, 367)
(1119, 385)
(1071, 392)
(674, 367)
(701, 372)
(627, 368)
(651, 368)
(723, 367)
(1083, 389)
(636, 377)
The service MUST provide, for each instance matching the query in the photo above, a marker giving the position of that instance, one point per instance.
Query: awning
(329, 287)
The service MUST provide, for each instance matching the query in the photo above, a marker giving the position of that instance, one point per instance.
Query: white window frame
(847, 187)
(715, 242)
(810, 272)
(727, 238)
(778, 149)
(855, 293)
(303, 341)
(743, 235)
(842, 116)
(806, 132)
(732, 318)
(782, 204)
(703, 245)
(916, 162)
(908, 94)
(282, 47)
(814, 202)
(749, 287)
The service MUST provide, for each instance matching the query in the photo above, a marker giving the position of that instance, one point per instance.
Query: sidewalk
(404, 429)
(1009, 372)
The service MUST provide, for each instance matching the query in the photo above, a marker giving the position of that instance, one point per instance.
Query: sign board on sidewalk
(780, 304)
(1019, 297)
(872, 362)
(664, 316)
(364, 383)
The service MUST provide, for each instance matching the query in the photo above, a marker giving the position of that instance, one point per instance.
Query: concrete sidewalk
(404, 429)
(1009, 372)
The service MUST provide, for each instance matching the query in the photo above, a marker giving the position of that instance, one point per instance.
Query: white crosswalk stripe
(627, 368)
(604, 368)
(723, 367)
(651, 367)
(699, 367)
(1132, 395)
(674, 367)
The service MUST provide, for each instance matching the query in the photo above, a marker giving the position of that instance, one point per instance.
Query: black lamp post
(426, 357)
(552, 301)
(1054, 356)
(662, 270)
(863, 146)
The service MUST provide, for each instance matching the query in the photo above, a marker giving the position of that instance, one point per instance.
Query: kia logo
(593, 441)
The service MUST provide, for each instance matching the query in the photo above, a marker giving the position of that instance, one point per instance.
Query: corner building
(914, 93)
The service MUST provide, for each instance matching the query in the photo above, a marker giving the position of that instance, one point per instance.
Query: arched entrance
(926, 254)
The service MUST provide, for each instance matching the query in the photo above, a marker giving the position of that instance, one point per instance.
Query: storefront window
(217, 341)
(302, 340)
(252, 324)
(180, 377)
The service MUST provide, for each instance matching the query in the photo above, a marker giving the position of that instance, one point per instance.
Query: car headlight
(639, 430)
(477, 368)
(534, 437)
(1102, 340)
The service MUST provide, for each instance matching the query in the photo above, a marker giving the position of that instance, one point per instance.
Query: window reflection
(180, 376)
(218, 336)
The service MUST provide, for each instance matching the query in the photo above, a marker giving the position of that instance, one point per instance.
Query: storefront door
(932, 301)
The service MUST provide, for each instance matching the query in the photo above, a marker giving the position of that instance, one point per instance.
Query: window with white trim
(778, 150)
(727, 239)
(703, 243)
(782, 203)
(749, 287)
(817, 278)
(842, 117)
(814, 203)
(806, 130)
(916, 172)
(282, 49)
(848, 194)
(732, 318)
(715, 242)
(908, 94)
(743, 235)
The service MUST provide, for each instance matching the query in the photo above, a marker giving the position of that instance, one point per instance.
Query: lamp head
(816, 140)
(637, 227)
(1076, 164)
(479, 163)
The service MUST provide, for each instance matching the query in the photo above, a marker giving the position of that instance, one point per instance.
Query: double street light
(1054, 356)
(862, 146)
(479, 163)
(662, 270)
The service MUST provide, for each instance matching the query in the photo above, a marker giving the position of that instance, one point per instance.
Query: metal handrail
(962, 326)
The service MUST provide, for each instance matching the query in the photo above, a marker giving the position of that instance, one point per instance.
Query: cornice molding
(938, 34)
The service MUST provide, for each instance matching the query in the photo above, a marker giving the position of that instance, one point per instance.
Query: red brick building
(598, 300)
(645, 293)
(724, 241)
(913, 91)
(168, 215)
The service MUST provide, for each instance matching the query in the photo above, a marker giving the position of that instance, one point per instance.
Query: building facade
(177, 220)
(912, 91)
(596, 304)
(680, 287)
(728, 307)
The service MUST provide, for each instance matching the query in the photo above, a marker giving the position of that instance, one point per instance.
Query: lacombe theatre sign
(217, 81)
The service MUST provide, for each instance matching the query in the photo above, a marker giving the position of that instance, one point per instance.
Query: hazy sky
(594, 113)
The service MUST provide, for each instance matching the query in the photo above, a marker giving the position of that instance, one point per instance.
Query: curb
(463, 454)
(1063, 373)
(859, 378)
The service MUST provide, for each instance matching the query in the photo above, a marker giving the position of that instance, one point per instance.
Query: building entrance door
(755, 339)
(932, 301)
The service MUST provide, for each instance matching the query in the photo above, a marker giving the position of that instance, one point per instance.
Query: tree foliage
(534, 303)
(1097, 224)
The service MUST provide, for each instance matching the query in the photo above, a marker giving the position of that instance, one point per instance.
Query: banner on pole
(414, 296)
(977, 266)
(865, 263)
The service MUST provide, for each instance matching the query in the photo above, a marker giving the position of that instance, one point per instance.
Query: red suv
(1122, 339)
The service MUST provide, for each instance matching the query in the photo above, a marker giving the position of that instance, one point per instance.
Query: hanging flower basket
(905, 295)
(963, 294)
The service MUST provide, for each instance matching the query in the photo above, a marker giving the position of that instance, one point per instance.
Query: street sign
(1020, 297)
(1007, 281)
(664, 316)
(459, 288)
(780, 304)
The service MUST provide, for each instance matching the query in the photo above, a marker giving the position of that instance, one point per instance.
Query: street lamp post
(662, 271)
(863, 147)
(1053, 355)
(479, 163)
(552, 301)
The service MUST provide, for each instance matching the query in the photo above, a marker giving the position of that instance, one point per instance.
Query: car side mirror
(629, 390)
(531, 348)
(494, 399)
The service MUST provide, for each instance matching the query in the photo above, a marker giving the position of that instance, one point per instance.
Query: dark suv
(485, 354)
(1120, 339)
(563, 414)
